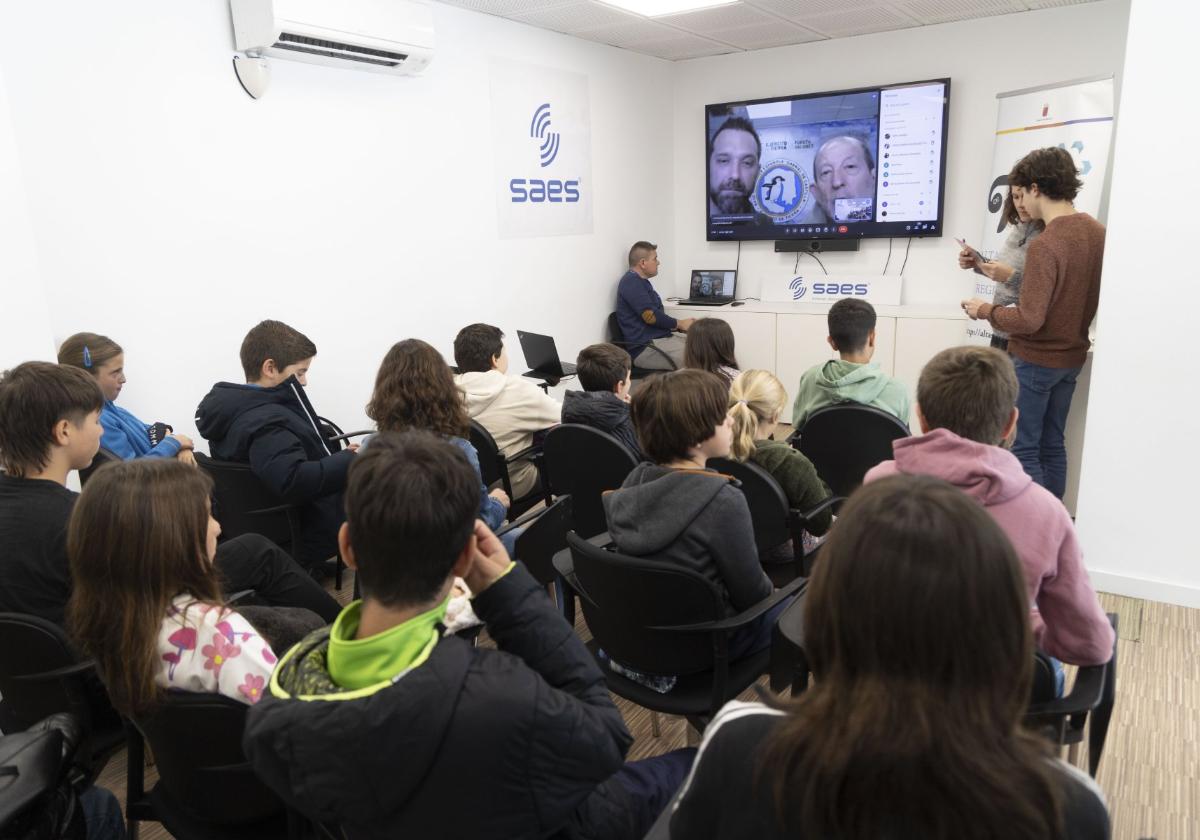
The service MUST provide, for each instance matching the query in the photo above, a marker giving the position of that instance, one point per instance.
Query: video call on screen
(861, 163)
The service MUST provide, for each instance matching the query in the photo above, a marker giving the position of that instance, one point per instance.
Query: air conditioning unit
(382, 36)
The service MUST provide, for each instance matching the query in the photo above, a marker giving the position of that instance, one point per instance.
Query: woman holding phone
(1007, 270)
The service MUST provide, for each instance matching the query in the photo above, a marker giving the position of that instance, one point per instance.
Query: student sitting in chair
(709, 347)
(414, 390)
(604, 372)
(966, 407)
(853, 377)
(756, 400)
(917, 633)
(675, 510)
(49, 425)
(511, 408)
(387, 728)
(147, 603)
(269, 424)
(124, 435)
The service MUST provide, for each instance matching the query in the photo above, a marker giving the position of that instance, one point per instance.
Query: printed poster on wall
(542, 141)
(1076, 116)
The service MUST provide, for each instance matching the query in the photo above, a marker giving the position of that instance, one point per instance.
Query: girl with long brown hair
(146, 603)
(415, 389)
(916, 628)
(709, 347)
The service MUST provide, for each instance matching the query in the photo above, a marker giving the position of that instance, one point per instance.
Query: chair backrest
(492, 466)
(103, 456)
(766, 499)
(30, 646)
(197, 744)
(614, 329)
(543, 538)
(238, 498)
(583, 462)
(1045, 684)
(625, 597)
(844, 441)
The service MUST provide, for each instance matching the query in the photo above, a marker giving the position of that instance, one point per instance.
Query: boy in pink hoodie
(966, 407)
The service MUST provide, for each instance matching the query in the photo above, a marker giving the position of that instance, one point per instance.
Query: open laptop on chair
(542, 357)
(711, 288)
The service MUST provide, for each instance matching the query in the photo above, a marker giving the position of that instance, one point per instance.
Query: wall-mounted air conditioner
(382, 36)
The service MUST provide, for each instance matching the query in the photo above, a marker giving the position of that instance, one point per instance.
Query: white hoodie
(512, 409)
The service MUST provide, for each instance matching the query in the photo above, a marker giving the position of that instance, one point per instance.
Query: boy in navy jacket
(269, 424)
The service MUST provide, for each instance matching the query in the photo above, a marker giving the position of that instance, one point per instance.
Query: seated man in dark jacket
(269, 424)
(385, 727)
(603, 403)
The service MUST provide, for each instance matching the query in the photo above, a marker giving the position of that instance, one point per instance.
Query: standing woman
(709, 347)
(124, 434)
(917, 630)
(1008, 269)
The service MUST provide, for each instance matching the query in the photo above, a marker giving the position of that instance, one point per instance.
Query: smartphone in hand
(975, 255)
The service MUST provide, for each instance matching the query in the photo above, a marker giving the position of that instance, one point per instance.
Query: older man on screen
(844, 167)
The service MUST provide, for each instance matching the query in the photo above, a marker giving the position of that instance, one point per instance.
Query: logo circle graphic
(539, 129)
(798, 288)
(782, 191)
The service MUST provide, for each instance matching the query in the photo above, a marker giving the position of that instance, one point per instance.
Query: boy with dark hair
(675, 510)
(380, 723)
(50, 425)
(966, 408)
(1048, 326)
(269, 424)
(853, 377)
(604, 372)
(512, 409)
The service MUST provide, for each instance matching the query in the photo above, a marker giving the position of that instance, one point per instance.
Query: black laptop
(542, 356)
(711, 288)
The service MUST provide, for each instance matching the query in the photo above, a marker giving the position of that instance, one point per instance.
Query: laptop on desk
(542, 357)
(711, 288)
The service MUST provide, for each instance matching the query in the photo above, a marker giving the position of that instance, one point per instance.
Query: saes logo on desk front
(798, 288)
(537, 189)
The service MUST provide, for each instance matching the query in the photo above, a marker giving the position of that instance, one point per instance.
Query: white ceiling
(744, 25)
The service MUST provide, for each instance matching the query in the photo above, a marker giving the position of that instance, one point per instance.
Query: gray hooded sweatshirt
(695, 519)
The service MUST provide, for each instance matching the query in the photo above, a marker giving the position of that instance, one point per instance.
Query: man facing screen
(733, 157)
(844, 167)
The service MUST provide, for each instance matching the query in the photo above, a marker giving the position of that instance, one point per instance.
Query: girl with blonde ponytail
(756, 399)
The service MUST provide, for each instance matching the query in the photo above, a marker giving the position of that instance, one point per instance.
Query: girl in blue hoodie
(124, 434)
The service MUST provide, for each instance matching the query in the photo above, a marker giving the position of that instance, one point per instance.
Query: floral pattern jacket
(207, 648)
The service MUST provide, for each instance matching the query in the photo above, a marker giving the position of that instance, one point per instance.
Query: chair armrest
(745, 616)
(274, 509)
(349, 435)
(524, 518)
(525, 453)
(240, 595)
(1085, 695)
(58, 673)
(812, 512)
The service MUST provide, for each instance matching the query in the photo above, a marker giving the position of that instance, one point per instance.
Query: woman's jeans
(1043, 402)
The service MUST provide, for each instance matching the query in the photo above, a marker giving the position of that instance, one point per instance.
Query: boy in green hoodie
(853, 377)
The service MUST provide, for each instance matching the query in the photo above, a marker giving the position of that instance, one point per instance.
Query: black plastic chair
(1088, 707)
(493, 467)
(335, 437)
(662, 619)
(775, 522)
(584, 462)
(207, 789)
(35, 768)
(615, 336)
(844, 441)
(103, 456)
(41, 675)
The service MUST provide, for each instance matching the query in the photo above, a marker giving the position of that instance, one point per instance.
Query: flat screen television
(849, 164)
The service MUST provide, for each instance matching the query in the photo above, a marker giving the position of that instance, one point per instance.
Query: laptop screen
(712, 284)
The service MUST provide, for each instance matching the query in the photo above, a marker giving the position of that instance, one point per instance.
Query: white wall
(982, 58)
(1137, 501)
(172, 212)
(25, 324)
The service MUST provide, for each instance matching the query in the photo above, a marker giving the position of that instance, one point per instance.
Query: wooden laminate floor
(1150, 770)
